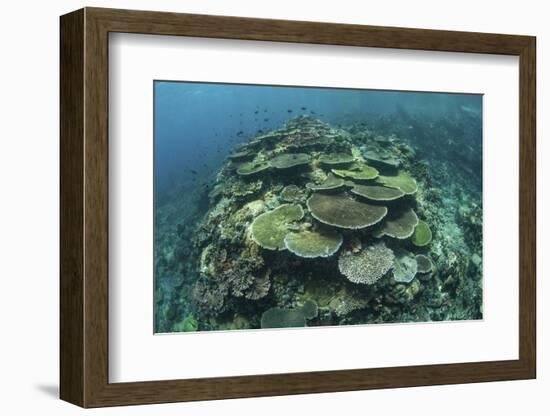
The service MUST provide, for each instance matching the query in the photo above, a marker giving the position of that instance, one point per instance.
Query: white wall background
(29, 207)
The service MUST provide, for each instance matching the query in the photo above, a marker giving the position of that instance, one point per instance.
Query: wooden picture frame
(84, 207)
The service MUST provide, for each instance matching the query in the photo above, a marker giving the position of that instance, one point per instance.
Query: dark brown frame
(84, 213)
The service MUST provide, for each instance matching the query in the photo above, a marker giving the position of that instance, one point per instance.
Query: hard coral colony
(312, 225)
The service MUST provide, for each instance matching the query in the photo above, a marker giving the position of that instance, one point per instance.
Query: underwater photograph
(292, 207)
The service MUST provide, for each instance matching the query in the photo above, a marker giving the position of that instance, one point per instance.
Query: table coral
(368, 266)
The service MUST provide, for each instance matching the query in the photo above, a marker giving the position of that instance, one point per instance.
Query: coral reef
(270, 228)
(377, 193)
(405, 266)
(331, 182)
(424, 264)
(368, 266)
(400, 225)
(422, 234)
(288, 318)
(358, 171)
(381, 157)
(336, 158)
(340, 210)
(292, 193)
(289, 160)
(312, 244)
(401, 181)
(310, 224)
(250, 168)
(189, 324)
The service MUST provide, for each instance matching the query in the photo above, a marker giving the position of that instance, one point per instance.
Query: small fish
(260, 131)
(312, 112)
(240, 133)
(193, 171)
(256, 112)
(289, 111)
(266, 119)
(265, 110)
(304, 108)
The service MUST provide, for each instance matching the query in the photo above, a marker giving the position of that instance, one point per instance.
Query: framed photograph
(256, 207)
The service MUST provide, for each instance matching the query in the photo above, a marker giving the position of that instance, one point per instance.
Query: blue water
(197, 124)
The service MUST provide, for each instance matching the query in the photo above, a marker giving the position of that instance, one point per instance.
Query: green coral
(270, 228)
(381, 157)
(238, 322)
(292, 193)
(312, 244)
(242, 154)
(422, 235)
(400, 225)
(310, 309)
(289, 160)
(336, 158)
(358, 171)
(377, 193)
(319, 290)
(189, 324)
(401, 181)
(405, 266)
(250, 168)
(243, 188)
(424, 264)
(340, 210)
(289, 318)
(331, 182)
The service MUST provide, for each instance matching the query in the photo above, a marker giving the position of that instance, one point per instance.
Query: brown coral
(259, 288)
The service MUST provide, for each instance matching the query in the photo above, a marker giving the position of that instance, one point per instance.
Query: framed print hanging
(255, 207)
